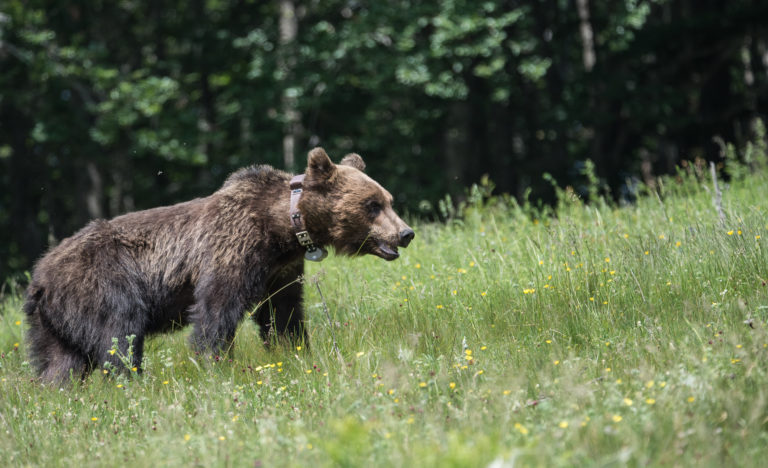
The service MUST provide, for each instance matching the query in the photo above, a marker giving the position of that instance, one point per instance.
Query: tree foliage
(110, 106)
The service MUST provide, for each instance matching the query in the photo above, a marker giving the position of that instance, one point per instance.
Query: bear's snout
(406, 236)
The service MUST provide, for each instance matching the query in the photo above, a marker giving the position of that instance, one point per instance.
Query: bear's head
(347, 210)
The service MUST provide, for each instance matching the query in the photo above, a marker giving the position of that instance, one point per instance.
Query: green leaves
(413, 71)
(434, 94)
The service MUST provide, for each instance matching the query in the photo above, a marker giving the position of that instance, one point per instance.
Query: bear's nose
(406, 236)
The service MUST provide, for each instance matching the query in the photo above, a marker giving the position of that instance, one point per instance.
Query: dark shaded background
(116, 105)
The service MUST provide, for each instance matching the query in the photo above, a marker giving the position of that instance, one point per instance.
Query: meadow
(590, 334)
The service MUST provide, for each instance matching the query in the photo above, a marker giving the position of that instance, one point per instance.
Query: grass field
(603, 335)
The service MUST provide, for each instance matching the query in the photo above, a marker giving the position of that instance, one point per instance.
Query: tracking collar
(314, 253)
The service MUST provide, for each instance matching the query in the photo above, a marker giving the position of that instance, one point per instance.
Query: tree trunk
(289, 26)
(455, 146)
(93, 195)
(27, 181)
(121, 193)
(587, 37)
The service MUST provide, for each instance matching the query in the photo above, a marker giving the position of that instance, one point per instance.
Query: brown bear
(206, 262)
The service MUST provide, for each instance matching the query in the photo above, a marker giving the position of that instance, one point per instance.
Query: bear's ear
(319, 165)
(354, 160)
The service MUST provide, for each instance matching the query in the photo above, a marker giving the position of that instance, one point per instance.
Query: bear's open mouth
(385, 251)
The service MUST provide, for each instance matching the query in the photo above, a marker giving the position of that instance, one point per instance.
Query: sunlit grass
(601, 336)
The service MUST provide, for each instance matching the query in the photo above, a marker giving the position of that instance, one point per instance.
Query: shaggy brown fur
(204, 262)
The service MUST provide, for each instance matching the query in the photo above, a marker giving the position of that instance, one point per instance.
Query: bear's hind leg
(55, 362)
(63, 366)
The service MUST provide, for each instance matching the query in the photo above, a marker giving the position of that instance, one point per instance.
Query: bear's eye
(374, 207)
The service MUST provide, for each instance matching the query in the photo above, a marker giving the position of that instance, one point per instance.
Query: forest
(113, 106)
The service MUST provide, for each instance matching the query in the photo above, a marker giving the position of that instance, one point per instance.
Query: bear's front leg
(219, 306)
(282, 314)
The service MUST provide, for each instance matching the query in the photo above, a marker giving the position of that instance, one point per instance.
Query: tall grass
(590, 335)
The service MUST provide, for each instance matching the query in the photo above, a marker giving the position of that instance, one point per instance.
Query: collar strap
(313, 253)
